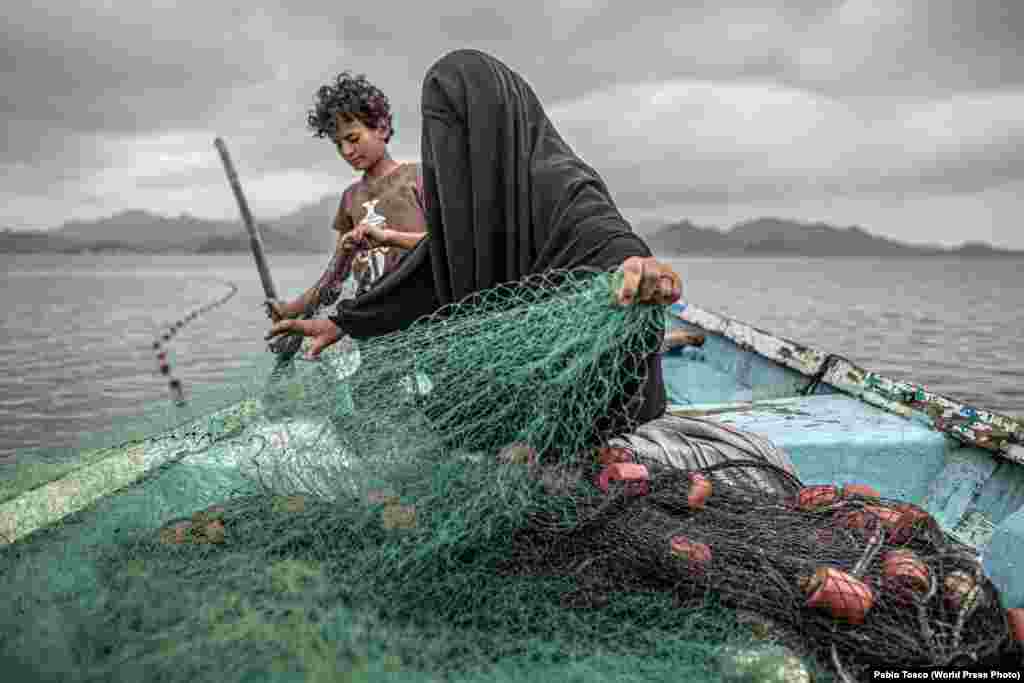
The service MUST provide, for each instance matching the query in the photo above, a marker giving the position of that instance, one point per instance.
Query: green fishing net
(445, 503)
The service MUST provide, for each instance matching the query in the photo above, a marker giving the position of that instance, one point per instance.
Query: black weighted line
(173, 383)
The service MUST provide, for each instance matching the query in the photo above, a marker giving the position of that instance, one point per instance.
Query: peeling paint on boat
(993, 432)
(791, 354)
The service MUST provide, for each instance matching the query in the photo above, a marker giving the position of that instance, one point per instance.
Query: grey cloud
(71, 80)
(110, 74)
(179, 179)
(673, 184)
(88, 73)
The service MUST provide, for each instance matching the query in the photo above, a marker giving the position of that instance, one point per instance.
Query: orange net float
(859, 490)
(700, 490)
(905, 575)
(960, 591)
(912, 521)
(811, 498)
(204, 527)
(861, 520)
(634, 477)
(697, 555)
(1015, 620)
(609, 455)
(902, 523)
(840, 594)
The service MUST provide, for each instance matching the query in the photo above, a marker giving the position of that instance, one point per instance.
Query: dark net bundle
(861, 582)
(456, 502)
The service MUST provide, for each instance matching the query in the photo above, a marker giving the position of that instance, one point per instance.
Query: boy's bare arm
(331, 279)
(342, 227)
(310, 298)
(403, 240)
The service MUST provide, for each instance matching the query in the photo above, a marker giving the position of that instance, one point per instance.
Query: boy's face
(359, 145)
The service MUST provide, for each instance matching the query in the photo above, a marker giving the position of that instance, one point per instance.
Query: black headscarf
(505, 197)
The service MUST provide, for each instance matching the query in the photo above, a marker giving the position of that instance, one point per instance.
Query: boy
(356, 116)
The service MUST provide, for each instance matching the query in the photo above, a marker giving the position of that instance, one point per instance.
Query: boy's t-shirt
(399, 198)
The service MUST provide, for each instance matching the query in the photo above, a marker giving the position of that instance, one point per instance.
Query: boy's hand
(348, 242)
(278, 310)
(376, 235)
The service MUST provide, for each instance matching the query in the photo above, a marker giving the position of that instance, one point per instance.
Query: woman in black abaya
(506, 197)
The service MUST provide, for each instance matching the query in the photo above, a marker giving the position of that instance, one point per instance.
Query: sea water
(76, 331)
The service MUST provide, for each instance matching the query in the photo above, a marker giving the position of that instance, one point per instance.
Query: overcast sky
(903, 116)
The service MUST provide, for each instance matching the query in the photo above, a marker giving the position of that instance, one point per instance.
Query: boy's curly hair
(353, 97)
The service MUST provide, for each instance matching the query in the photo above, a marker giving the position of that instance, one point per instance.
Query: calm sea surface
(76, 331)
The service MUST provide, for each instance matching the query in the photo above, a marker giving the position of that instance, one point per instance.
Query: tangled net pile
(444, 503)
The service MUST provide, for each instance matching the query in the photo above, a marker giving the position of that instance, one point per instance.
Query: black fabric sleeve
(610, 256)
(395, 302)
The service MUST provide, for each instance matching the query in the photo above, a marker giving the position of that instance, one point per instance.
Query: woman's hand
(322, 332)
(647, 281)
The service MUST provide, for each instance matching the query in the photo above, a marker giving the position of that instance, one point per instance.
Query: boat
(839, 423)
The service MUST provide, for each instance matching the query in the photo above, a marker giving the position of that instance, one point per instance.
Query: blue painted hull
(906, 443)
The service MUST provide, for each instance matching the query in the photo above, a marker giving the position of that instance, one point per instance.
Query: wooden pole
(255, 240)
(284, 347)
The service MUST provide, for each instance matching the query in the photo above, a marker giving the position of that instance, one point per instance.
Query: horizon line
(662, 223)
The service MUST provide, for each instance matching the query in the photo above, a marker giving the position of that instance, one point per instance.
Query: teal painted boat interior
(832, 437)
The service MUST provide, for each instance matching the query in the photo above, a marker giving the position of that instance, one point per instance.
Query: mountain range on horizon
(770, 236)
(308, 230)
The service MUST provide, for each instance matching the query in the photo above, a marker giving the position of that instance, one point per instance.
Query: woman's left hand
(648, 281)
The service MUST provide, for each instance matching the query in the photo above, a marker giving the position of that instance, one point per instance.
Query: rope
(160, 343)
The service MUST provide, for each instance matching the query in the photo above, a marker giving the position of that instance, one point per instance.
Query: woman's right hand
(322, 333)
